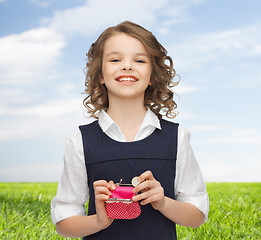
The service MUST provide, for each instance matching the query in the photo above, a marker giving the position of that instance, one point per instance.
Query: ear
(101, 80)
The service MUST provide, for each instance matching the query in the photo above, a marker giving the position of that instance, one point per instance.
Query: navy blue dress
(107, 159)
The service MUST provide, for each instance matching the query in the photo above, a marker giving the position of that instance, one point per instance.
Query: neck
(128, 114)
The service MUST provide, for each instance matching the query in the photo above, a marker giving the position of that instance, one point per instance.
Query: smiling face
(126, 67)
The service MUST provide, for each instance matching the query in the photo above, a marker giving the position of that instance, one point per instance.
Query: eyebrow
(116, 52)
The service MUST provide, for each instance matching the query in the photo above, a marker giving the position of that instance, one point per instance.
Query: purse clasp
(123, 184)
(114, 199)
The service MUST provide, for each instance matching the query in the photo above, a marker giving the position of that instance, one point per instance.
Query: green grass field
(235, 212)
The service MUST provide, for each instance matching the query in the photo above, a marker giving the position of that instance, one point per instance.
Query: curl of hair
(158, 95)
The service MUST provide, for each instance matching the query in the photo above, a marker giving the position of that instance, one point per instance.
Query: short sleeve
(189, 183)
(72, 193)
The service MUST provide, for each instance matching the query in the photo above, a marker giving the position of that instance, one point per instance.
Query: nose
(127, 66)
(126, 69)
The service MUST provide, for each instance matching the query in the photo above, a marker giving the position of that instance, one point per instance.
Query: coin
(135, 181)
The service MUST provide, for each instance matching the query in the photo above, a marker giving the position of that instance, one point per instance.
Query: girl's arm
(190, 186)
(182, 213)
(80, 226)
(152, 192)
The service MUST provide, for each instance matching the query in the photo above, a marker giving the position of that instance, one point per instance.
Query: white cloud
(25, 56)
(229, 172)
(183, 89)
(11, 94)
(52, 109)
(245, 132)
(209, 128)
(176, 12)
(40, 3)
(205, 48)
(95, 15)
(31, 173)
(53, 117)
(243, 136)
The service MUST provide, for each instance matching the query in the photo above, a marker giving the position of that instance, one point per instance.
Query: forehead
(124, 43)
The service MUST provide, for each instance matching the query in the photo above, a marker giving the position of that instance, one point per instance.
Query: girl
(128, 85)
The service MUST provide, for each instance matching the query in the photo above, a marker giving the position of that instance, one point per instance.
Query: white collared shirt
(73, 191)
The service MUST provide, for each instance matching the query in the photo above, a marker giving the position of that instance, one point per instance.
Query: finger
(146, 185)
(146, 176)
(144, 190)
(111, 185)
(142, 178)
(140, 196)
(102, 190)
(102, 197)
(145, 195)
(100, 183)
(151, 199)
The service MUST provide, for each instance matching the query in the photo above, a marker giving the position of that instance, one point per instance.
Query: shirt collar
(105, 121)
(150, 118)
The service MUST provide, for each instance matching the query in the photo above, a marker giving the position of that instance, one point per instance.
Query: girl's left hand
(151, 191)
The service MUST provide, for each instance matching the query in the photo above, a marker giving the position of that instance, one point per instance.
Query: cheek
(148, 73)
(105, 74)
(108, 71)
(149, 76)
(149, 70)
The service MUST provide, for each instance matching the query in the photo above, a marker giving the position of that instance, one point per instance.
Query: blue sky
(216, 48)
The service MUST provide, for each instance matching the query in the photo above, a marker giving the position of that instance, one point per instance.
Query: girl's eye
(140, 61)
(115, 60)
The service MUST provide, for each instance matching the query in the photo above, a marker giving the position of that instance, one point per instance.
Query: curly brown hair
(158, 96)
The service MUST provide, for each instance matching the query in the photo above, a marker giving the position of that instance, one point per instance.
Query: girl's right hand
(102, 192)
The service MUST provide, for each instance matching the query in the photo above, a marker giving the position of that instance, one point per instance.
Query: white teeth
(127, 79)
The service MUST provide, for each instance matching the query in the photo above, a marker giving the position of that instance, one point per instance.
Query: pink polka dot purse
(120, 204)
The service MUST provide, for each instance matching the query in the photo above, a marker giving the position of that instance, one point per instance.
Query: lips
(126, 79)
